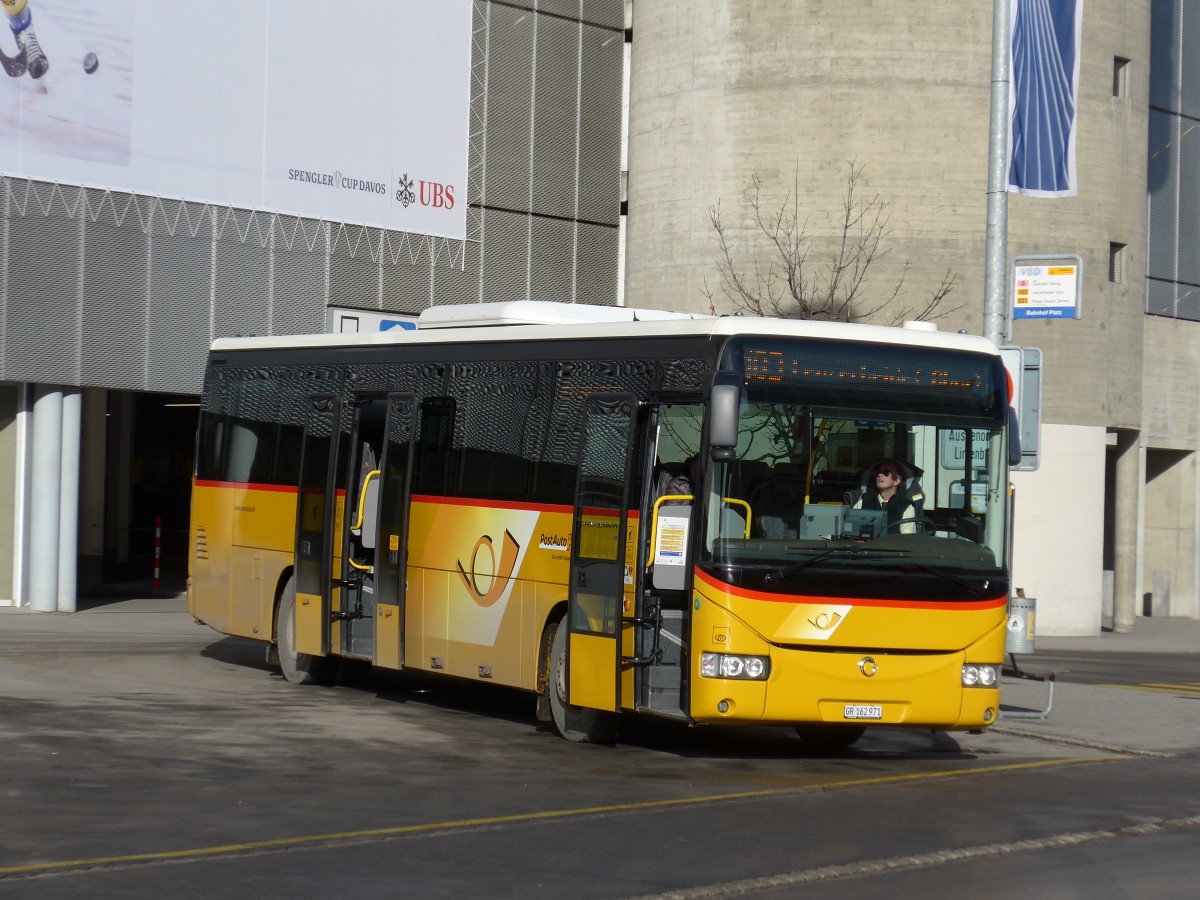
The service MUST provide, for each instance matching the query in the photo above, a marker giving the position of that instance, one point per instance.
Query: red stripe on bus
(422, 498)
(247, 486)
(746, 594)
(515, 504)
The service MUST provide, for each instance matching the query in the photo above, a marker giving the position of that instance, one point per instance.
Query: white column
(45, 471)
(68, 503)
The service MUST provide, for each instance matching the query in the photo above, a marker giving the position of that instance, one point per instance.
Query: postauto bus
(486, 498)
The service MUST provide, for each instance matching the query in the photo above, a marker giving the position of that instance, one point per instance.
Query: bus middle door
(315, 511)
(391, 552)
(598, 553)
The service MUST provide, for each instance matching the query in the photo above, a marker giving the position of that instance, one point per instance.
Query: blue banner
(1043, 97)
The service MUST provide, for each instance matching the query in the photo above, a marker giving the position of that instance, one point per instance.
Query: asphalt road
(1147, 670)
(156, 758)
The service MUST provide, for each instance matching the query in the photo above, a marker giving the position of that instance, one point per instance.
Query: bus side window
(213, 427)
(435, 449)
(243, 443)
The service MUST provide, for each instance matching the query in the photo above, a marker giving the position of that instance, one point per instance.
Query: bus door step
(661, 688)
(670, 638)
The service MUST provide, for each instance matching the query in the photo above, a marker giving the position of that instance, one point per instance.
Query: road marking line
(825, 874)
(1151, 688)
(1175, 687)
(68, 866)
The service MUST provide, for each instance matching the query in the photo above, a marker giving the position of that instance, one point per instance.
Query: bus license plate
(863, 711)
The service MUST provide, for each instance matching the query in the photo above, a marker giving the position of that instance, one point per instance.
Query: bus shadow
(679, 739)
(242, 652)
(504, 704)
(441, 692)
(781, 742)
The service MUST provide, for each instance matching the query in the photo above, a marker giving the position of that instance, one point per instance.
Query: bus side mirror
(1014, 439)
(724, 402)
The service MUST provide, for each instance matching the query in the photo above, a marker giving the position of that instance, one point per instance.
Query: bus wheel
(298, 668)
(829, 738)
(582, 726)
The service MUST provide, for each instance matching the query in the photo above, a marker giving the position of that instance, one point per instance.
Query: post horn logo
(497, 579)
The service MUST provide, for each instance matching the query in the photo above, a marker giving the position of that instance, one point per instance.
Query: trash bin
(1022, 611)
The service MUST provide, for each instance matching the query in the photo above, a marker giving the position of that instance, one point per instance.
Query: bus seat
(778, 505)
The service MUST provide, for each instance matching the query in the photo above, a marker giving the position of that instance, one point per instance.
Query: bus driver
(892, 486)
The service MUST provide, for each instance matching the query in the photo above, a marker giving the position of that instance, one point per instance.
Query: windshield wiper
(778, 575)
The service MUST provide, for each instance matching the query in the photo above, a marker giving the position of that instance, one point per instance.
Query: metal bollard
(1022, 611)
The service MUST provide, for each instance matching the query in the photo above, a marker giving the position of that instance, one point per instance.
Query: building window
(1116, 262)
(1120, 77)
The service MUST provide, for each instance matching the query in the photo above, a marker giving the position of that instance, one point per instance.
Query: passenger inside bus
(682, 484)
(893, 486)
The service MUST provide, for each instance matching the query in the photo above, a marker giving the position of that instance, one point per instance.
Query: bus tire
(829, 738)
(575, 723)
(298, 668)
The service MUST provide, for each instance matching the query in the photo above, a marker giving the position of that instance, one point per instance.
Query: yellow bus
(498, 496)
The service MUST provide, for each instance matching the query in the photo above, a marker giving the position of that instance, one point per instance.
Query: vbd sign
(1046, 291)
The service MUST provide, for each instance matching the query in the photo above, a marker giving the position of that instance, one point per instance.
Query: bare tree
(791, 281)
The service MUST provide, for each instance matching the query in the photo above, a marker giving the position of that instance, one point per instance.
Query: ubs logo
(434, 194)
(406, 196)
(496, 579)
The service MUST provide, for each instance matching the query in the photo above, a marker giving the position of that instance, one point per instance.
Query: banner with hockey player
(352, 112)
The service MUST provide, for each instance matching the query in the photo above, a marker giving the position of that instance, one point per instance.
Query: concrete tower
(791, 92)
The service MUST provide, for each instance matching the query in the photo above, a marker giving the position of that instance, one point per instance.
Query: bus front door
(598, 553)
(315, 509)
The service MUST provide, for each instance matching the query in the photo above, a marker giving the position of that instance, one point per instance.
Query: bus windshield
(872, 487)
(870, 460)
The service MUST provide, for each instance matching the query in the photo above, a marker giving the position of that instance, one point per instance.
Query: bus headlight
(976, 675)
(731, 665)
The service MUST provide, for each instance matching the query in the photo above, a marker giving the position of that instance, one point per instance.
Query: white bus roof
(532, 320)
(539, 312)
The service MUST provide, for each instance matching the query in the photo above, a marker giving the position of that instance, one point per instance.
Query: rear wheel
(298, 668)
(575, 723)
(829, 738)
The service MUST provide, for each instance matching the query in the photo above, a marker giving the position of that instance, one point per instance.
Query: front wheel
(298, 668)
(575, 723)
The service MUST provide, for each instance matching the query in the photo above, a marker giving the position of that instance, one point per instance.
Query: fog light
(723, 706)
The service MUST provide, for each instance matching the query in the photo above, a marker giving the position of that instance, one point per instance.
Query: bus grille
(201, 543)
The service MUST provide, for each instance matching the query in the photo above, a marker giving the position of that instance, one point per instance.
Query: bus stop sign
(1024, 365)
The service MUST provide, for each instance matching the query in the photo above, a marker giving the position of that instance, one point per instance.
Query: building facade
(788, 95)
(109, 300)
(604, 137)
